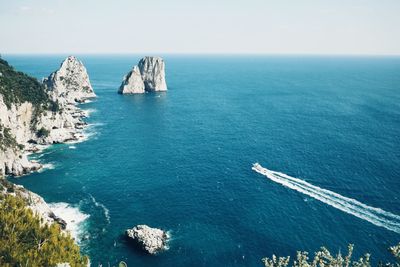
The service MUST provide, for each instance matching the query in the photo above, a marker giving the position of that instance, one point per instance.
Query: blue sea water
(182, 160)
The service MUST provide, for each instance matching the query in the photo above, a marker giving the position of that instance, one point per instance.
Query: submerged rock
(152, 240)
(132, 83)
(148, 76)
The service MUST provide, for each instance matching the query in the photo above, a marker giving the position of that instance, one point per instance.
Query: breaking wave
(351, 206)
(72, 216)
(47, 166)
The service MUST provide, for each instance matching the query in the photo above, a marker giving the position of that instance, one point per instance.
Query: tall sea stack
(147, 76)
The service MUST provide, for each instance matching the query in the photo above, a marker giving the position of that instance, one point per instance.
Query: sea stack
(147, 76)
(132, 83)
(152, 240)
(70, 82)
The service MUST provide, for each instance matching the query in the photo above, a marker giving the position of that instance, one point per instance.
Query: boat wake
(373, 215)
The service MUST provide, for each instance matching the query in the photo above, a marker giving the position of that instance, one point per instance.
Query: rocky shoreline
(68, 87)
(31, 129)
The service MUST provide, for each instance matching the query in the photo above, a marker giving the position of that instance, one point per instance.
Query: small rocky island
(147, 76)
(152, 240)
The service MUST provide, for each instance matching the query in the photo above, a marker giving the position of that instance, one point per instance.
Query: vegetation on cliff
(26, 241)
(7, 140)
(324, 258)
(18, 87)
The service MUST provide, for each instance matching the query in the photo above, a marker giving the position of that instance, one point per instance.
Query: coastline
(65, 214)
(35, 116)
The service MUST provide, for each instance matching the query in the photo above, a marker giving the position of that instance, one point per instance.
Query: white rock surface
(148, 76)
(70, 83)
(153, 73)
(132, 83)
(152, 240)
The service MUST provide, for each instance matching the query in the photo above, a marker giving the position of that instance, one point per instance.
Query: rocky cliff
(148, 75)
(34, 113)
(70, 83)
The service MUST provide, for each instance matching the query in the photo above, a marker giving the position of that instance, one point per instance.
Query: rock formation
(70, 83)
(148, 76)
(152, 240)
(132, 83)
(50, 116)
(33, 115)
(153, 73)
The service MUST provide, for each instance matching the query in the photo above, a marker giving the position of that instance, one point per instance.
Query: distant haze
(178, 26)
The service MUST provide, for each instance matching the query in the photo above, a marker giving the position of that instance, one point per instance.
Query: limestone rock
(152, 240)
(153, 73)
(132, 83)
(70, 82)
(148, 76)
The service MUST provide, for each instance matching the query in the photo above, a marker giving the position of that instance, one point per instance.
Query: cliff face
(32, 113)
(153, 73)
(148, 76)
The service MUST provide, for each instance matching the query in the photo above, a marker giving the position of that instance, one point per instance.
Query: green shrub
(7, 140)
(18, 87)
(24, 241)
(323, 258)
(42, 132)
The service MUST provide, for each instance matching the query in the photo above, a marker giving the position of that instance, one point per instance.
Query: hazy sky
(204, 26)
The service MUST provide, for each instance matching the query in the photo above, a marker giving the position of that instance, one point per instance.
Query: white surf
(72, 216)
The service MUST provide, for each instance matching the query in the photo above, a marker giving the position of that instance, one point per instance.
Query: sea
(325, 129)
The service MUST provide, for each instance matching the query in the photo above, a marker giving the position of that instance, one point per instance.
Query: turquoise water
(182, 160)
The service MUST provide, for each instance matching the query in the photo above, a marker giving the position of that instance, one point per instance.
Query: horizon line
(201, 54)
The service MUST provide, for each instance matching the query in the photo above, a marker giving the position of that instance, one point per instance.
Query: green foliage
(42, 132)
(6, 185)
(323, 258)
(18, 87)
(395, 250)
(7, 140)
(25, 241)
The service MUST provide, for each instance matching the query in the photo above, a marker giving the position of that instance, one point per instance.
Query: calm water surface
(182, 160)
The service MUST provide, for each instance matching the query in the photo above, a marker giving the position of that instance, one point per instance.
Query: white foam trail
(72, 147)
(71, 215)
(105, 210)
(373, 215)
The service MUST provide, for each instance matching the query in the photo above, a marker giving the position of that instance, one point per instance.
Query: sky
(203, 26)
